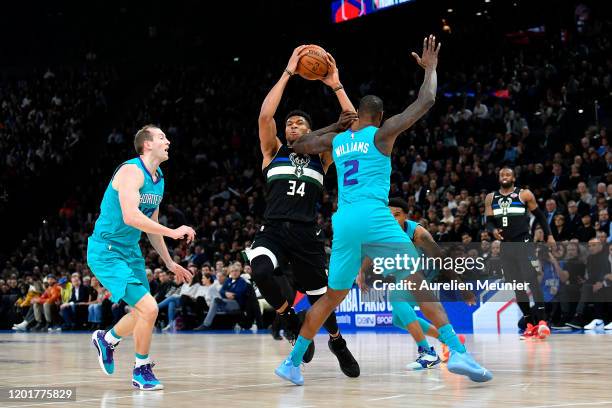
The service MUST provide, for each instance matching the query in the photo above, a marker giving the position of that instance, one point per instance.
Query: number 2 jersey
(511, 216)
(110, 226)
(364, 173)
(294, 186)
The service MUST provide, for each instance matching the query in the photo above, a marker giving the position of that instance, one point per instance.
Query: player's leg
(405, 318)
(345, 258)
(146, 314)
(509, 259)
(529, 274)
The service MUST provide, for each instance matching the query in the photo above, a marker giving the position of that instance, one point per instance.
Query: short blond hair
(144, 134)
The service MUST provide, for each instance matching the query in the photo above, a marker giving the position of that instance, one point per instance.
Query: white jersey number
(299, 190)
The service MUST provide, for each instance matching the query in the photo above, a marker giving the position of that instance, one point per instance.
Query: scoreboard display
(344, 10)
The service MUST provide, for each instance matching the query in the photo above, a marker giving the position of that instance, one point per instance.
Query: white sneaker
(608, 326)
(169, 327)
(594, 323)
(21, 326)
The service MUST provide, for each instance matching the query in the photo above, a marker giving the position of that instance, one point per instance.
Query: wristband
(288, 72)
(339, 87)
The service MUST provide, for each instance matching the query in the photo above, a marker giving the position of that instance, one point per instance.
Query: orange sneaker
(445, 350)
(542, 330)
(529, 332)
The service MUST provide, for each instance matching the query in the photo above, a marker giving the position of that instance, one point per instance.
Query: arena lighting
(580, 110)
(449, 10)
(479, 14)
(236, 59)
(487, 1)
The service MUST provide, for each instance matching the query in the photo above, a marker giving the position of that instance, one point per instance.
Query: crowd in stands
(443, 167)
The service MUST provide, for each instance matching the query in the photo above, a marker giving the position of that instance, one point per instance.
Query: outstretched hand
(332, 79)
(429, 60)
(295, 58)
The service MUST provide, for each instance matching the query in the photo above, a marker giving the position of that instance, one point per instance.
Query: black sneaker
(348, 364)
(290, 323)
(576, 323)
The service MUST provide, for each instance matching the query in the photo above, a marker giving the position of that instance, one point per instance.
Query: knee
(147, 308)
(262, 268)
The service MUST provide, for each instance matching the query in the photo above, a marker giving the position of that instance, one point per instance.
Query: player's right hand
(184, 231)
(180, 274)
(295, 58)
(361, 282)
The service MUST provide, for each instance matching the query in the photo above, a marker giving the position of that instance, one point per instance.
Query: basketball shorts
(360, 229)
(294, 246)
(116, 267)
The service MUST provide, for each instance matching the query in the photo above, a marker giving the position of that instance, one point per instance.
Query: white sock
(141, 360)
(111, 339)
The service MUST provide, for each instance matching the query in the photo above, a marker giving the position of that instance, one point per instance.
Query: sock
(296, 355)
(425, 325)
(111, 337)
(449, 337)
(423, 344)
(141, 359)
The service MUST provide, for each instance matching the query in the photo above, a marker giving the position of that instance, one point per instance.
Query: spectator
(585, 232)
(46, 305)
(232, 297)
(72, 310)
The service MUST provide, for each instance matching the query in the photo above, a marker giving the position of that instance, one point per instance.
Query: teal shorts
(119, 269)
(368, 223)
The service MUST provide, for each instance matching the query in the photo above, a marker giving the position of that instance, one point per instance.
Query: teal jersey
(364, 172)
(410, 228)
(110, 226)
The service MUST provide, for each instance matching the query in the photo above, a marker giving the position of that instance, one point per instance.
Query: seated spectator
(585, 232)
(97, 295)
(35, 289)
(596, 289)
(561, 233)
(232, 297)
(46, 305)
(72, 310)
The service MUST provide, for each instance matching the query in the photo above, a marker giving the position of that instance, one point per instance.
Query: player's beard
(506, 184)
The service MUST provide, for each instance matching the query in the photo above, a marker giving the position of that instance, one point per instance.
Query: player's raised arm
(128, 181)
(333, 81)
(320, 140)
(395, 125)
(268, 140)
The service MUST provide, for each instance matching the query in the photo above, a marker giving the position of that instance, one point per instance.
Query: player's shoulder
(129, 171)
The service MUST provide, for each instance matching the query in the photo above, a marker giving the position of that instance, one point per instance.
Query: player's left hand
(429, 60)
(345, 120)
(468, 297)
(361, 282)
(333, 77)
(181, 275)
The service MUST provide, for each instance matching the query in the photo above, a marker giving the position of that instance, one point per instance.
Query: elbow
(129, 219)
(429, 99)
(265, 117)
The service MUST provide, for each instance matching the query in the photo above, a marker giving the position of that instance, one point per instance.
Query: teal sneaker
(144, 379)
(289, 372)
(464, 364)
(105, 352)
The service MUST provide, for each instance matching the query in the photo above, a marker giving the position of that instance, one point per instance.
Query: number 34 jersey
(110, 226)
(364, 172)
(294, 186)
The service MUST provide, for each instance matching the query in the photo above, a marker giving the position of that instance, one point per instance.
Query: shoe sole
(472, 376)
(284, 377)
(94, 340)
(574, 326)
(421, 368)
(139, 386)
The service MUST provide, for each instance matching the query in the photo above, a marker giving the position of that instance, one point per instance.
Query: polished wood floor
(236, 370)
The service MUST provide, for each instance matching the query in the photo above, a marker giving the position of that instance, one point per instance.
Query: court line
(569, 404)
(386, 398)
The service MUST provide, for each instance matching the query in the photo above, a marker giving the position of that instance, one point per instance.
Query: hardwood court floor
(236, 370)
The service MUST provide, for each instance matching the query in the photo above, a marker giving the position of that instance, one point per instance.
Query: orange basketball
(313, 64)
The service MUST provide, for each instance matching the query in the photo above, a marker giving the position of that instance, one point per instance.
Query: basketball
(313, 64)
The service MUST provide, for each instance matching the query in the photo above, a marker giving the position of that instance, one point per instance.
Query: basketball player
(129, 207)
(294, 185)
(418, 328)
(362, 157)
(508, 221)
